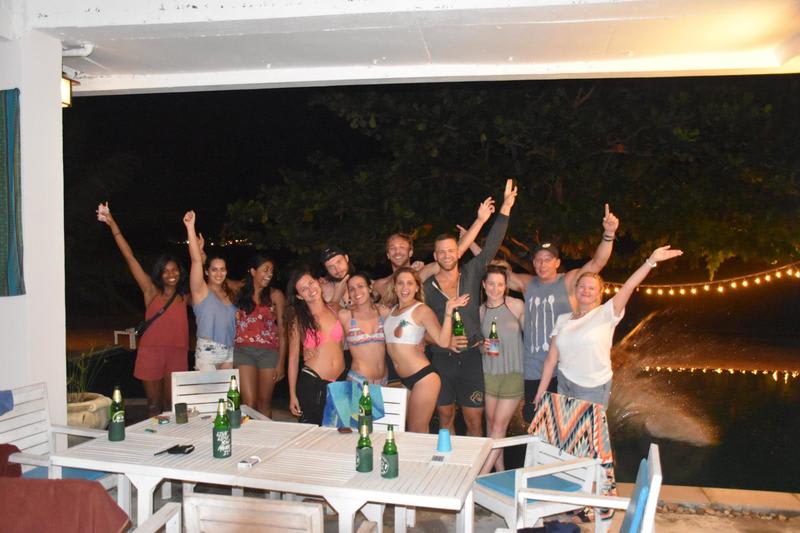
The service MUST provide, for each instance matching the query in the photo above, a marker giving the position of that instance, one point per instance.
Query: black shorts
(462, 377)
(312, 391)
(531, 387)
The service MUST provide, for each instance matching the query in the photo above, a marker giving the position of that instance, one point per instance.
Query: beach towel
(579, 428)
(341, 406)
(9, 469)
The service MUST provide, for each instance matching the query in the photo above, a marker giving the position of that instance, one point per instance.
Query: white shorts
(208, 354)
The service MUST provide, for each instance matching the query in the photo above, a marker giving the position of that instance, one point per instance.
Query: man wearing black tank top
(460, 368)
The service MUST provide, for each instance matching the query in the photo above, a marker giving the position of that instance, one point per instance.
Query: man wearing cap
(460, 367)
(549, 294)
(338, 267)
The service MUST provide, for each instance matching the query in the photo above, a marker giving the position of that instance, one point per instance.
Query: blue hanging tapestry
(11, 280)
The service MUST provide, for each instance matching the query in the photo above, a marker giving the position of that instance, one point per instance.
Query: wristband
(117, 233)
(651, 264)
(608, 238)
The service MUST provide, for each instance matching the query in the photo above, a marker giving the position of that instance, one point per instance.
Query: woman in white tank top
(405, 329)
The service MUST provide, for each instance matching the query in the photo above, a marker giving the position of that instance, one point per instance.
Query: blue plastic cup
(443, 445)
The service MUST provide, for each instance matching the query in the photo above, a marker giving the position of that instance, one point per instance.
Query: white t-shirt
(584, 345)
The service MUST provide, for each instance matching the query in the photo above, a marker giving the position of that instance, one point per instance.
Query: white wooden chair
(640, 508)
(27, 426)
(211, 512)
(545, 467)
(166, 519)
(200, 391)
(395, 402)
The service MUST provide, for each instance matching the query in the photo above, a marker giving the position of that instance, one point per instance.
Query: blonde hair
(599, 279)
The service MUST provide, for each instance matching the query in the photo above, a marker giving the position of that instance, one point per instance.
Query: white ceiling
(158, 46)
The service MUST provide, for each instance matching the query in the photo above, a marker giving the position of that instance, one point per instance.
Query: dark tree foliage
(709, 165)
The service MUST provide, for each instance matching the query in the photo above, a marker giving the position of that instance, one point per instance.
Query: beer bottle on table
(221, 434)
(389, 458)
(363, 450)
(365, 407)
(116, 426)
(458, 325)
(493, 349)
(234, 404)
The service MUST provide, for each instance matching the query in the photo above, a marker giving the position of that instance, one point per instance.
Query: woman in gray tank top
(502, 365)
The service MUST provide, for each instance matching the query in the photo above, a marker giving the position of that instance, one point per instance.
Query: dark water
(755, 419)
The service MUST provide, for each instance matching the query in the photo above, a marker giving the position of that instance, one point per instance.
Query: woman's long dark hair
(244, 300)
(158, 270)
(297, 309)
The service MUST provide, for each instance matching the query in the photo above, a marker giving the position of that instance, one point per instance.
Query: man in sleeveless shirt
(547, 295)
(460, 368)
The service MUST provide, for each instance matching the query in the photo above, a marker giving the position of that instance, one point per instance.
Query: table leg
(145, 486)
(124, 493)
(374, 513)
(54, 472)
(465, 521)
(400, 519)
(347, 511)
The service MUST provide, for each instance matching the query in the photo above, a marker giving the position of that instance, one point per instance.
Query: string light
(776, 375)
(739, 283)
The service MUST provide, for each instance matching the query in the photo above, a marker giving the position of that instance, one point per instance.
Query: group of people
(557, 338)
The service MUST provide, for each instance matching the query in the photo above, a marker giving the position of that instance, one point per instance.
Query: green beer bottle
(234, 404)
(389, 458)
(493, 349)
(363, 450)
(116, 426)
(365, 407)
(221, 434)
(458, 325)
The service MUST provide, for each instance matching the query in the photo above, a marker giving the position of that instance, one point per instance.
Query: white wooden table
(296, 458)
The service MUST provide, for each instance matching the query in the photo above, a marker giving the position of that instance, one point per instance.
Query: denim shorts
(208, 354)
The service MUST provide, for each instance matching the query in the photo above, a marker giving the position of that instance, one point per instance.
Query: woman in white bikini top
(405, 328)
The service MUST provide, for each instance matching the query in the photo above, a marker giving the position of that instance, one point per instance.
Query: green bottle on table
(234, 404)
(389, 459)
(458, 325)
(116, 426)
(363, 450)
(221, 434)
(365, 407)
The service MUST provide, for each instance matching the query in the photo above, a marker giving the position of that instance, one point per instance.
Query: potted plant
(84, 408)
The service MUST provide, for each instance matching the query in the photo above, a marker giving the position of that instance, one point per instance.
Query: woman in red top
(163, 348)
(259, 351)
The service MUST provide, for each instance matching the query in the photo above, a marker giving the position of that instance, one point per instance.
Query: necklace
(578, 314)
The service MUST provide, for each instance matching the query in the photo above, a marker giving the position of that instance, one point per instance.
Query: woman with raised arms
(581, 341)
(405, 329)
(164, 346)
(212, 301)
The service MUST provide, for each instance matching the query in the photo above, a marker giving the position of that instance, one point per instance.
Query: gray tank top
(508, 329)
(543, 305)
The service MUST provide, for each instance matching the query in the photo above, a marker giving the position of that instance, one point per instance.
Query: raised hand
(663, 254)
(104, 213)
(509, 194)
(459, 301)
(485, 211)
(189, 219)
(610, 223)
(201, 241)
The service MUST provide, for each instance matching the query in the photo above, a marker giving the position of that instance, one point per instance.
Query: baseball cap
(329, 253)
(547, 246)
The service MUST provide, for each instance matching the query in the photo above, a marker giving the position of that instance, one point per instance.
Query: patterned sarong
(579, 428)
